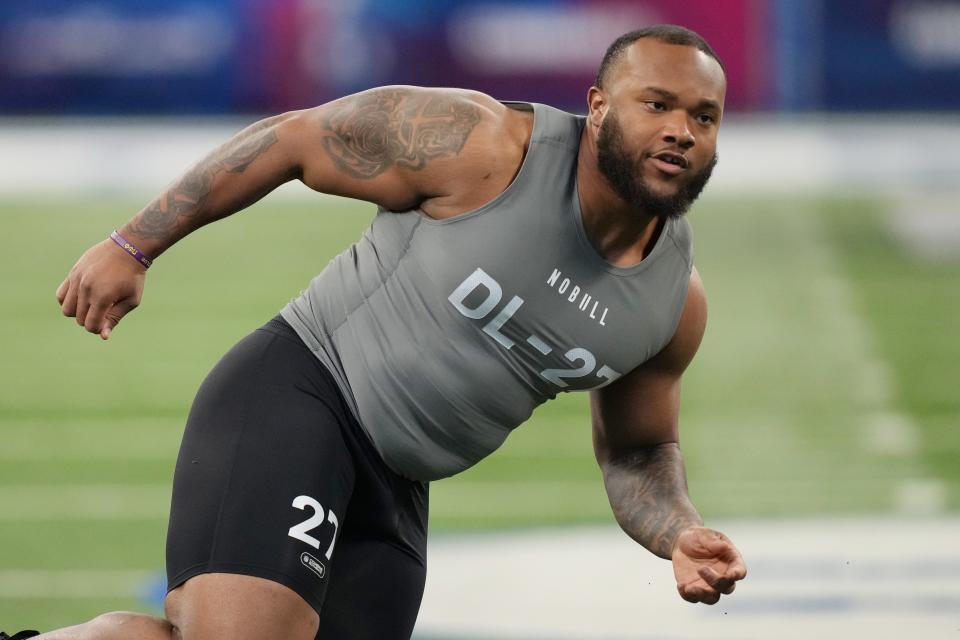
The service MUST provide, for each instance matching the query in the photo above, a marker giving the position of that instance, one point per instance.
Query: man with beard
(518, 251)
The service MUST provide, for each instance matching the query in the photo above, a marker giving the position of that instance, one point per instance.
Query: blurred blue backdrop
(255, 56)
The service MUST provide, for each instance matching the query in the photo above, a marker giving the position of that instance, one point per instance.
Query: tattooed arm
(635, 432)
(398, 147)
(395, 146)
(230, 178)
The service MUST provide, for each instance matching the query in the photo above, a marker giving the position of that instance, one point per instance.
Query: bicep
(392, 145)
(638, 410)
(642, 408)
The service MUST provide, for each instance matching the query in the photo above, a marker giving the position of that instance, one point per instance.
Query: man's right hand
(101, 288)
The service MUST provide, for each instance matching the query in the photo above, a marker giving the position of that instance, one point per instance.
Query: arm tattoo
(184, 200)
(390, 127)
(648, 493)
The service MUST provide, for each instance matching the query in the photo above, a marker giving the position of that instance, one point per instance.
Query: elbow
(636, 456)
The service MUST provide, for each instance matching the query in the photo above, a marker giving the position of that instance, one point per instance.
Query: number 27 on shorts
(302, 531)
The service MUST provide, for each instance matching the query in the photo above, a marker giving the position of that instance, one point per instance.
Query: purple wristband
(135, 253)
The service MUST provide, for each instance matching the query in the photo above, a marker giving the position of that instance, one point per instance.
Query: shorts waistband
(280, 327)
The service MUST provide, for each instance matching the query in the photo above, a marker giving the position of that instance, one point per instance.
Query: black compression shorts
(276, 479)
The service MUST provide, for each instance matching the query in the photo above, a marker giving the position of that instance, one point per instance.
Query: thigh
(379, 567)
(213, 606)
(263, 476)
(376, 592)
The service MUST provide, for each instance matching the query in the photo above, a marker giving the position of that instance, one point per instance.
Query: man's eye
(657, 106)
(705, 118)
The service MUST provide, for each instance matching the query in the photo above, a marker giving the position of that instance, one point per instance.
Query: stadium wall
(758, 154)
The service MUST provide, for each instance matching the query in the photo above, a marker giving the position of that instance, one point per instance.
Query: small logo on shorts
(313, 564)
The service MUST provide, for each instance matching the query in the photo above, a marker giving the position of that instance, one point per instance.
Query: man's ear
(597, 105)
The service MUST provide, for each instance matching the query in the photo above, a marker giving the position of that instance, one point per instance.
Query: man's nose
(677, 131)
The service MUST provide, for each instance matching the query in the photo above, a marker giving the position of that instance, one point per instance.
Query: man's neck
(619, 233)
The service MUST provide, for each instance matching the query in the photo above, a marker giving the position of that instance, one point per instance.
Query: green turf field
(826, 384)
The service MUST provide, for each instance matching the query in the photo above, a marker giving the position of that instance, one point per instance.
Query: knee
(239, 607)
(124, 625)
(116, 620)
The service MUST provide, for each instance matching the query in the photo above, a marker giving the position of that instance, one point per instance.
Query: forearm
(648, 493)
(230, 178)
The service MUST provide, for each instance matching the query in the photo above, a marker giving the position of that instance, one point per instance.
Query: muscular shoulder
(406, 145)
(480, 162)
(402, 126)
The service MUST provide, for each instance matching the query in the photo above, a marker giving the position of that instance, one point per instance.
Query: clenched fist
(101, 288)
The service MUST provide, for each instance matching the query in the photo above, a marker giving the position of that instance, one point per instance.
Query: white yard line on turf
(927, 222)
(38, 453)
(52, 584)
(84, 502)
(885, 430)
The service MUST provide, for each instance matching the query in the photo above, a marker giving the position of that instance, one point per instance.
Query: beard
(625, 174)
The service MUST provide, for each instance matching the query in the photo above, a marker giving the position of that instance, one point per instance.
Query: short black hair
(668, 33)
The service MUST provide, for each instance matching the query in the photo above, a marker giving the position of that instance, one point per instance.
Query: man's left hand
(706, 565)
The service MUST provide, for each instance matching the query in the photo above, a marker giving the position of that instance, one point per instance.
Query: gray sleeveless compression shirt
(444, 335)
